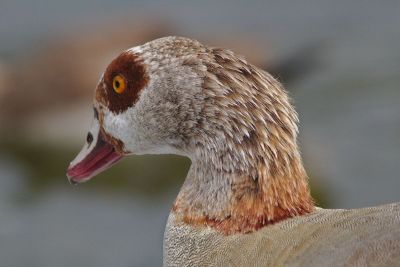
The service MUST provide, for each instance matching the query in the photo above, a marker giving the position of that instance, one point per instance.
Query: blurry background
(340, 61)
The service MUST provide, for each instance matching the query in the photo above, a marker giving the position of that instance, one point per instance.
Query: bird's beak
(94, 158)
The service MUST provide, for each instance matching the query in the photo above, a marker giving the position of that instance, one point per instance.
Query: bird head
(148, 101)
(176, 96)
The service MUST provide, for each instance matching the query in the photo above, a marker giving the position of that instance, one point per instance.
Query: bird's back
(358, 237)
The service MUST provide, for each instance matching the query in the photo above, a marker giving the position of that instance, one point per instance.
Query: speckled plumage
(360, 237)
(245, 200)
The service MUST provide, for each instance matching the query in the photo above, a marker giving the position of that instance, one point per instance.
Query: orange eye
(119, 84)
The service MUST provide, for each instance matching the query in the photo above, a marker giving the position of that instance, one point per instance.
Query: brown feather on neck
(272, 189)
(255, 203)
(253, 176)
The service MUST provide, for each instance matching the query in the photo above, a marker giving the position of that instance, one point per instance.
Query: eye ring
(119, 84)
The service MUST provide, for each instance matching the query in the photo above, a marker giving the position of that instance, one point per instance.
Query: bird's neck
(246, 167)
(236, 191)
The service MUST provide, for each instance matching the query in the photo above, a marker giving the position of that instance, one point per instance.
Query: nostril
(89, 138)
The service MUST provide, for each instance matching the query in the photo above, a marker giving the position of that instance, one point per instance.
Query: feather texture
(359, 237)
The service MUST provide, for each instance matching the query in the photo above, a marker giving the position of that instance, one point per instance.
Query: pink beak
(102, 156)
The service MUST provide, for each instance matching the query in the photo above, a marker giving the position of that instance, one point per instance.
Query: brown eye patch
(131, 68)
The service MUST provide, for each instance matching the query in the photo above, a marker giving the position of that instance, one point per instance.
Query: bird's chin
(101, 157)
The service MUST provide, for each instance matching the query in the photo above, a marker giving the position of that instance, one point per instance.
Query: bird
(246, 199)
